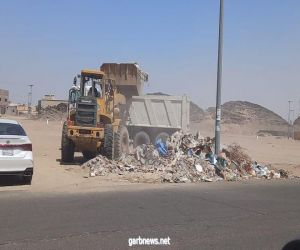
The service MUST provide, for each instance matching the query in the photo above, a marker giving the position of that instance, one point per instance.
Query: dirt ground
(51, 176)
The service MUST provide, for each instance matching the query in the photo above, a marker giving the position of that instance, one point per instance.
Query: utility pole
(30, 99)
(219, 81)
(289, 119)
(292, 123)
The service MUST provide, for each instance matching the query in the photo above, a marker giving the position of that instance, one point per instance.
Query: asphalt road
(259, 215)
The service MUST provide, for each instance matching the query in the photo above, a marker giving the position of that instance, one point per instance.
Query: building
(19, 109)
(12, 109)
(4, 100)
(50, 101)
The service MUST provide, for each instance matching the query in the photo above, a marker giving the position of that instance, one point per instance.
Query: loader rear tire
(119, 140)
(67, 146)
(141, 138)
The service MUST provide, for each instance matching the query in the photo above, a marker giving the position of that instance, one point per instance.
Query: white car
(15, 151)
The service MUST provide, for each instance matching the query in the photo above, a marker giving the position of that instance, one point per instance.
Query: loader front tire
(67, 146)
(121, 142)
(108, 141)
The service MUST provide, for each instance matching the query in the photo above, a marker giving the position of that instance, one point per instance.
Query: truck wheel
(67, 146)
(141, 138)
(121, 142)
(163, 136)
(89, 154)
(108, 141)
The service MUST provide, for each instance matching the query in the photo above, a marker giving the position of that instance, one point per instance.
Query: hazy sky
(47, 42)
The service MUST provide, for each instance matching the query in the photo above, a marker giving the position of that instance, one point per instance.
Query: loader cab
(91, 82)
(90, 91)
(96, 96)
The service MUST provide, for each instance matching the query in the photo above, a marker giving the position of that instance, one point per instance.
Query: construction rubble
(53, 113)
(184, 158)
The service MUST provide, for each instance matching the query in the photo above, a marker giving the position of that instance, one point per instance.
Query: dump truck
(147, 117)
(153, 117)
(107, 110)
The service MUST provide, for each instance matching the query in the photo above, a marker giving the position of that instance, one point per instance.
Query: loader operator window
(94, 91)
(93, 88)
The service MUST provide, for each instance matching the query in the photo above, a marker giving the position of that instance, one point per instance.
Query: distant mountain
(197, 114)
(242, 112)
(297, 125)
(297, 121)
(297, 128)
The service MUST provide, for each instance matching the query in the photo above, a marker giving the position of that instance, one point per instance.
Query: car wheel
(27, 180)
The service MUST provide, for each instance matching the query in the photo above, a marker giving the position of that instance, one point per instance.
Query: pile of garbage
(53, 113)
(185, 158)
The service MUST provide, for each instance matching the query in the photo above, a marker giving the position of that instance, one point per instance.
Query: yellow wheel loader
(94, 125)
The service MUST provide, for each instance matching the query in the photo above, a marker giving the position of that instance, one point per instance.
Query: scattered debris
(284, 173)
(185, 158)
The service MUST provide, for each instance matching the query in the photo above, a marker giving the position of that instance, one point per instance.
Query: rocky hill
(241, 112)
(297, 128)
(197, 114)
(250, 118)
(297, 122)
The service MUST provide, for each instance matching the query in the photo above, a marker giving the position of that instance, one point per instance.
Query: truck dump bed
(159, 111)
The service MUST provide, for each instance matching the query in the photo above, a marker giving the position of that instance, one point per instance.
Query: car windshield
(11, 129)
